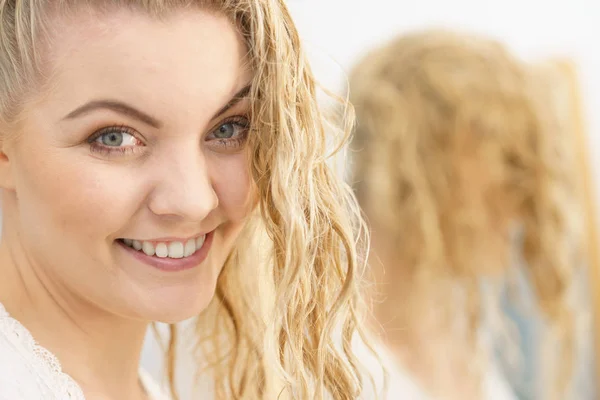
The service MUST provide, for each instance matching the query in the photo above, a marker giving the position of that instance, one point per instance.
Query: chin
(177, 306)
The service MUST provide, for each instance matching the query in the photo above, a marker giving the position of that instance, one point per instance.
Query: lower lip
(172, 264)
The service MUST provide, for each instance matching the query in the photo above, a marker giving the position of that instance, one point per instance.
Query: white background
(337, 32)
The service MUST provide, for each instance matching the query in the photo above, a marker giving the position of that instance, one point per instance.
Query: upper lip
(170, 238)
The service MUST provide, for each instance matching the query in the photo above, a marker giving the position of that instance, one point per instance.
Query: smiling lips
(174, 249)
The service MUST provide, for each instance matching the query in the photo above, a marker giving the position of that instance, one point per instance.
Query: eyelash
(233, 143)
(109, 150)
(226, 143)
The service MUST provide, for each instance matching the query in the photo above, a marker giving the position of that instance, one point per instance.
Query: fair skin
(76, 182)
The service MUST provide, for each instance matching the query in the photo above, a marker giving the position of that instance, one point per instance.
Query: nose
(183, 188)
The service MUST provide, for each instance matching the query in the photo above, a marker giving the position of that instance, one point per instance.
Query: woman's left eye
(226, 131)
(231, 133)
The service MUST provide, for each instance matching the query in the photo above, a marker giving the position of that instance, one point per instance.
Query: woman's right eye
(109, 140)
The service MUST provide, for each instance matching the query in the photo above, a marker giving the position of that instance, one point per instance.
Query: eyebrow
(116, 106)
(238, 97)
(130, 111)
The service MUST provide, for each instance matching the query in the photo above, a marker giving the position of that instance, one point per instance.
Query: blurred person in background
(469, 186)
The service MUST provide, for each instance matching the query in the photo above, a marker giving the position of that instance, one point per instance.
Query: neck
(99, 350)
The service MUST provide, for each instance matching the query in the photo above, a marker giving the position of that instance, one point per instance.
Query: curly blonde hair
(287, 306)
(455, 143)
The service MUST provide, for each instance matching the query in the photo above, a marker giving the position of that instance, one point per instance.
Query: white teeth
(171, 249)
(176, 250)
(190, 248)
(148, 248)
(161, 250)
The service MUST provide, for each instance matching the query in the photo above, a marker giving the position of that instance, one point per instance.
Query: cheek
(74, 196)
(231, 181)
(233, 186)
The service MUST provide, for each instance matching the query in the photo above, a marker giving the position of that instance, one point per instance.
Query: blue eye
(113, 139)
(231, 134)
(230, 129)
(226, 131)
(116, 138)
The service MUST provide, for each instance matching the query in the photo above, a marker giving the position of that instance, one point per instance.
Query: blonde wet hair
(287, 303)
(455, 142)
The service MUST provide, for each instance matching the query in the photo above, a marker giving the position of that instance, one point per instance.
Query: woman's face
(138, 141)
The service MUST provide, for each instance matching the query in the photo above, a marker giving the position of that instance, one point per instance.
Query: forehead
(189, 58)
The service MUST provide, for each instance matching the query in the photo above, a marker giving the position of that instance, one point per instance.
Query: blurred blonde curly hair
(456, 141)
(287, 304)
